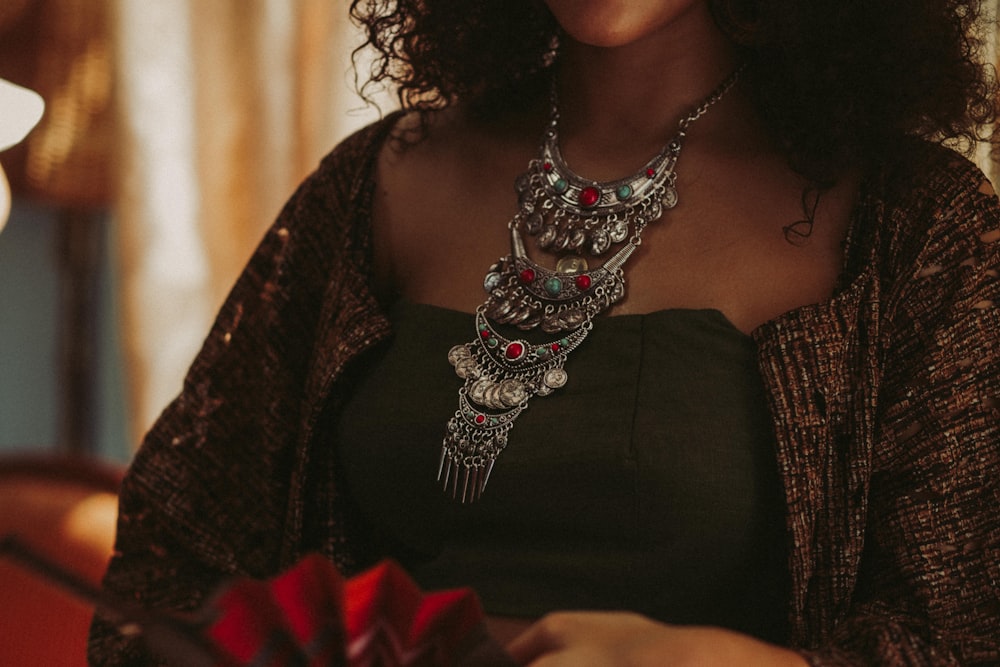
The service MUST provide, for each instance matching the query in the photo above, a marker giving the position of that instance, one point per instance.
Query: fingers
(575, 639)
(599, 639)
(545, 636)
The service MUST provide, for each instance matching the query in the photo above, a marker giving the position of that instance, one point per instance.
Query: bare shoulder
(442, 199)
(451, 146)
(418, 152)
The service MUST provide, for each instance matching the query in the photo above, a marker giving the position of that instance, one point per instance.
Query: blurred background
(174, 131)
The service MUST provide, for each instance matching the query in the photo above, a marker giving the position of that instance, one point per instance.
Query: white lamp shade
(20, 110)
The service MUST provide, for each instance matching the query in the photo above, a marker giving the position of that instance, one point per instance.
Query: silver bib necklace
(575, 219)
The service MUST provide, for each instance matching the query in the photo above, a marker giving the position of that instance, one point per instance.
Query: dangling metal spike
(486, 477)
(454, 479)
(444, 453)
(480, 482)
(474, 487)
(465, 484)
(447, 474)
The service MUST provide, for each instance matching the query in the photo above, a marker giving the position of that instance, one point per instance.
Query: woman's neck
(618, 104)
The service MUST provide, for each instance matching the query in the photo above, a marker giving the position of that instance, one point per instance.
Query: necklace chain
(568, 215)
(712, 98)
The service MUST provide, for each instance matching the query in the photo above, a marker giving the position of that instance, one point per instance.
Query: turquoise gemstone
(561, 186)
(623, 192)
(553, 286)
(492, 342)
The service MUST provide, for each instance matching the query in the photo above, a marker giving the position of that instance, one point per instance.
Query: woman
(738, 377)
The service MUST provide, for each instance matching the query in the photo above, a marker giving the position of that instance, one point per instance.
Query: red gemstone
(547, 166)
(484, 333)
(480, 419)
(555, 347)
(582, 282)
(514, 351)
(650, 172)
(527, 276)
(589, 196)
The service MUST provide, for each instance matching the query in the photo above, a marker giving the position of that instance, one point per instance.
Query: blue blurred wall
(29, 340)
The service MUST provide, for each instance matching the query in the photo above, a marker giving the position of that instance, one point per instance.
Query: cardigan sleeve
(208, 494)
(929, 587)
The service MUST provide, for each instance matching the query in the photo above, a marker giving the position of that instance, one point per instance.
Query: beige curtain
(225, 105)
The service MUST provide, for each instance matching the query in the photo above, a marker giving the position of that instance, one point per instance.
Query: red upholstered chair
(65, 510)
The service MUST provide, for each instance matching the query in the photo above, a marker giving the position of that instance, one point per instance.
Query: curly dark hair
(837, 83)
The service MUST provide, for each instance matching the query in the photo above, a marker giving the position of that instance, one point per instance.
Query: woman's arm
(930, 574)
(212, 492)
(927, 591)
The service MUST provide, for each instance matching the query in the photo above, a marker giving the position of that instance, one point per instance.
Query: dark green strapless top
(648, 483)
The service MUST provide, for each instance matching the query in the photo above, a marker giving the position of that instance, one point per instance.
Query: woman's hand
(585, 639)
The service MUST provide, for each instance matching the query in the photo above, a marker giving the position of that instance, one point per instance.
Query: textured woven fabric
(884, 400)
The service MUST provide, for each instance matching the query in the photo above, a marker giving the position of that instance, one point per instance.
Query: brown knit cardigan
(884, 399)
